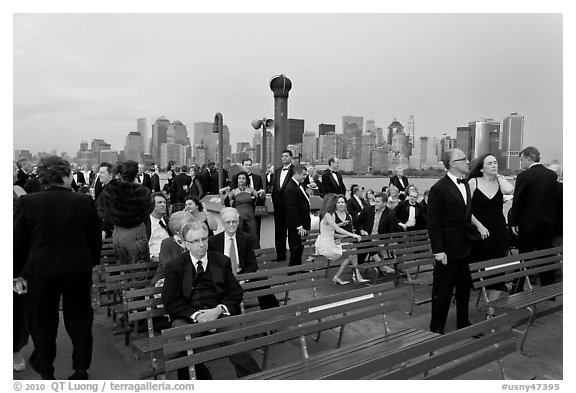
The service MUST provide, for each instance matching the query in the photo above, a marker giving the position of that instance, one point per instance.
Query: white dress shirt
(157, 234)
(411, 216)
(461, 187)
(283, 174)
(227, 239)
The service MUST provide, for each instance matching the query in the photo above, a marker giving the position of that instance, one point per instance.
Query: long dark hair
(128, 170)
(245, 175)
(329, 204)
(478, 165)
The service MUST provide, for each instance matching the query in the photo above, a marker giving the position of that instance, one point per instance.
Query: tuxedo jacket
(297, 206)
(355, 208)
(269, 182)
(146, 181)
(179, 275)
(278, 190)
(447, 217)
(214, 181)
(402, 212)
(329, 184)
(33, 185)
(396, 182)
(246, 244)
(534, 204)
(178, 191)
(56, 231)
(365, 220)
(155, 183)
(318, 181)
(21, 178)
(81, 180)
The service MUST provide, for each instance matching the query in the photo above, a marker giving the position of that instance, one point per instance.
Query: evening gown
(244, 203)
(325, 244)
(489, 213)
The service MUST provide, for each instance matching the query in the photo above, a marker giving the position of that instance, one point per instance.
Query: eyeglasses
(461, 159)
(232, 222)
(197, 242)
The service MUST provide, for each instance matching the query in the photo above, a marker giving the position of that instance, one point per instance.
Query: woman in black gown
(488, 188)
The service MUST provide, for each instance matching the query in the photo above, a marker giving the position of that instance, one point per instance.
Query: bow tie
(460, 181)
(285, 169)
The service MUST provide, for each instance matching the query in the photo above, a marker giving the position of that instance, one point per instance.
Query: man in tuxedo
(144, 178)
(157, 226)
(400, 181)
(448, 216)
(269, 179)
(78, 179)
(257, 184)
(314, 177)
(200, 287)
(154, 178)
(24, 171)
(214, 174)
(239, 246)
(409, 214)
(104, 176)
(332, 179)
(355, 204)
(282, 177)
(533, 212)
(180, 184)
(297, 213)
(377, 219)
(206, 178)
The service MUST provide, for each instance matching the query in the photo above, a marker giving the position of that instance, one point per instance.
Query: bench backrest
(271, 326)
(416, 255)
(456, 353)
(505, 269)
(130, 276)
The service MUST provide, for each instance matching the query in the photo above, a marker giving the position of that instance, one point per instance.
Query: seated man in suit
(239, 247)
(200, 287)
(156, 228)
(376, 219)
(409, 214)
(400, 181)
(355, 204)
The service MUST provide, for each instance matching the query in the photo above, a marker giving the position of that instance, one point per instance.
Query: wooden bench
(267, 327)
(502, 270)
(441, 357)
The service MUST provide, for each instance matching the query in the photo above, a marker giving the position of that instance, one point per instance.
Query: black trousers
(446, 278)
(43, 301)
(280, 228)
(296, 247)
(19, 323)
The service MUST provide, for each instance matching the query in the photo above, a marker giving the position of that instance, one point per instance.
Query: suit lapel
(188, 274)
(451, 187)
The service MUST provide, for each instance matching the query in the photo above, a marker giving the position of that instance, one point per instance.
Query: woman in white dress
(325, 245)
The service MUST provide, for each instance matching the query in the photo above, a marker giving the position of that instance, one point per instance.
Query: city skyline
(95, 83)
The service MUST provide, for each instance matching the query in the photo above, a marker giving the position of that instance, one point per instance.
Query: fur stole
(124, 204)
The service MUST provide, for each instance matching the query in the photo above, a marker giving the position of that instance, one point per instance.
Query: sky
(83, 76)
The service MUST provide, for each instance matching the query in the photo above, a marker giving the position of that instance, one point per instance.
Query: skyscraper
(257, 143)
(144, 127)
(178, 132)
(410, 131)
(171, 151)
(481, 131)
(159, 136)
(134, 147)
(464, 140)
(324, 129)
(309, 146)
(512, 139)
(295, 131)
(393, 128)
(352, 131)
(447, 143)
(327, 146)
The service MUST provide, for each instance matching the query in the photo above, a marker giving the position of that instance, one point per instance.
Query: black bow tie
(285, 169)
(460, 181)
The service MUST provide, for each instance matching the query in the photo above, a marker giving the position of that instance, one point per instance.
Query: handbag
(260, 210)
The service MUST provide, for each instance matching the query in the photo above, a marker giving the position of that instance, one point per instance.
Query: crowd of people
(62, 215)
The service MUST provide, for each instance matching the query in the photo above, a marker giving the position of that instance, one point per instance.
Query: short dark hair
(353, 188)
(289, 152)
(446, 157)
(107, 165)
(195, 200)
(184, 168)
(51, 169)
(299, 168)
(381, 195)
(245, 175)
(247, 159)
(157, 194)
(530, 152)
(331, 160)
(128, 170)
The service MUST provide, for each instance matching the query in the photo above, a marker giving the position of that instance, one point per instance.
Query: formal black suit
(329, 184)
(534, 212)
(246, 244)
(155, 182)
(57, 241)
(33, 185)
(318, 182)
(402, 212)
(279, 203)
(297, 215)
(185, 292)
(395, 180)
(180, 186)
(98, 188)
(269, 180)
(355, 208)
(214, 181)
(146, 180)
(81, 181)
(448, 215)
(365, 221)
(21, 177)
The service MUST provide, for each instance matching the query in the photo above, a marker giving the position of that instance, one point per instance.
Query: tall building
(424, 153)
(309, 146)
(257, 144)
(327, 147)
(512, 139)
(324, 129)
(242, 146)
(410, 131)
(178, 132)
(446, 143)
(203, 135)
(352, 131)
(380, 136)
(481, 131)
(370, 126)
(171, 151)
(381, 158)
(295, 131)
(464, 140)
(159, 136)
(393, 128)
(134, 147)
(368, 143)
(144, 127)
(22, 154)
(110, 156)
